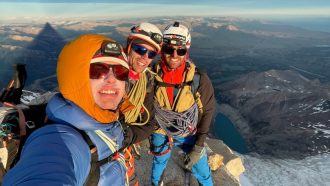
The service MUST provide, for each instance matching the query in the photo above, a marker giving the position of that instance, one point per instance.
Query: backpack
(19, 122)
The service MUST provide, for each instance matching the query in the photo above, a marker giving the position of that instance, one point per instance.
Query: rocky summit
(229, 168)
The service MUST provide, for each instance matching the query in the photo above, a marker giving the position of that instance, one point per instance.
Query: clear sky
(18, 9)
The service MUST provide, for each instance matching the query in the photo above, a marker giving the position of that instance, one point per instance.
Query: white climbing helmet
(147, 32)
(177, 34)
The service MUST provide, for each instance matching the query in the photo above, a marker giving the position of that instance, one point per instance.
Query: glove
(193, 157)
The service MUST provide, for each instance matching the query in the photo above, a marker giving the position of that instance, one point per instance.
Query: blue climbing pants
(159, 144)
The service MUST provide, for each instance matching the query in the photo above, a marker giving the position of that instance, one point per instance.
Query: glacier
(269, 171)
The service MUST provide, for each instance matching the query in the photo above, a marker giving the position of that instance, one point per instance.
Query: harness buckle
(191, 129)
(115, 156)
(30, 124)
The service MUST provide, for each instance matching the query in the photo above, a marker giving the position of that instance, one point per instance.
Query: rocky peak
(281, 108)
(271, 81)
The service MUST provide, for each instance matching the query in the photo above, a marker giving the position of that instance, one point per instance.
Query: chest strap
(94, 175)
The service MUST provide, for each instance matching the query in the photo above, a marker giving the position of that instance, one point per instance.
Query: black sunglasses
(142, 51)
(170, 50)
(100, 70)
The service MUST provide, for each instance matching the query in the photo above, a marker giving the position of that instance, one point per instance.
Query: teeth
(108, 92)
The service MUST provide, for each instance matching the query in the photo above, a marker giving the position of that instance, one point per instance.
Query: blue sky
(16, 9)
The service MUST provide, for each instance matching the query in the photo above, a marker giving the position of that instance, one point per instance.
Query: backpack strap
(195, 81)
(197, 95)
(176, 87)
(94, 174)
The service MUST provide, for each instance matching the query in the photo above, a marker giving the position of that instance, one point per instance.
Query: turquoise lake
(225, 130)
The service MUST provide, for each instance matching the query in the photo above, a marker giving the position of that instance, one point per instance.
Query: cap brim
(110, 60)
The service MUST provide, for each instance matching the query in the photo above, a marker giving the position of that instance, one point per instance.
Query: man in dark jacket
(143, 45)
(184, 107)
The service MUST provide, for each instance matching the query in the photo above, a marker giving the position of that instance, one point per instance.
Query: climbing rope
(113, 146)
(177, 123)
(136, 97)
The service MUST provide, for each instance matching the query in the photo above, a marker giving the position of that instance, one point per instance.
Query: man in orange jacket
(92, 73)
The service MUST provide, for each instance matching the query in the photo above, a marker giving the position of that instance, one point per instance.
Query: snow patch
(28, 96)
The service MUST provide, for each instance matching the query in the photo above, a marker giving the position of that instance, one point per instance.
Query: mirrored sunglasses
(142, 51)
(101, 70)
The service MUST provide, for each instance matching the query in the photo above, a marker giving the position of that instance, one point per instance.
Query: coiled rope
(136, 97)
(177, 123)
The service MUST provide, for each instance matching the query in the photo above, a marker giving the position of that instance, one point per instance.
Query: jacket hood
(73, 75)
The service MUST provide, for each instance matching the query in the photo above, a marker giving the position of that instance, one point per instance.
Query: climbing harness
(169, 142)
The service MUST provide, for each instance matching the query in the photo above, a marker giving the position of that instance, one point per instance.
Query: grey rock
(175, 175)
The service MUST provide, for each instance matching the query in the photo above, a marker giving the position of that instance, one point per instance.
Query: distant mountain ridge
(211, 36)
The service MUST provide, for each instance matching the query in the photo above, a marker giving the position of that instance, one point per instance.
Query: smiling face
(173, 61)
(138, 63)
(107, 91)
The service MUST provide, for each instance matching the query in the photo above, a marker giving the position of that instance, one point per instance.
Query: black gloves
(193, 157)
